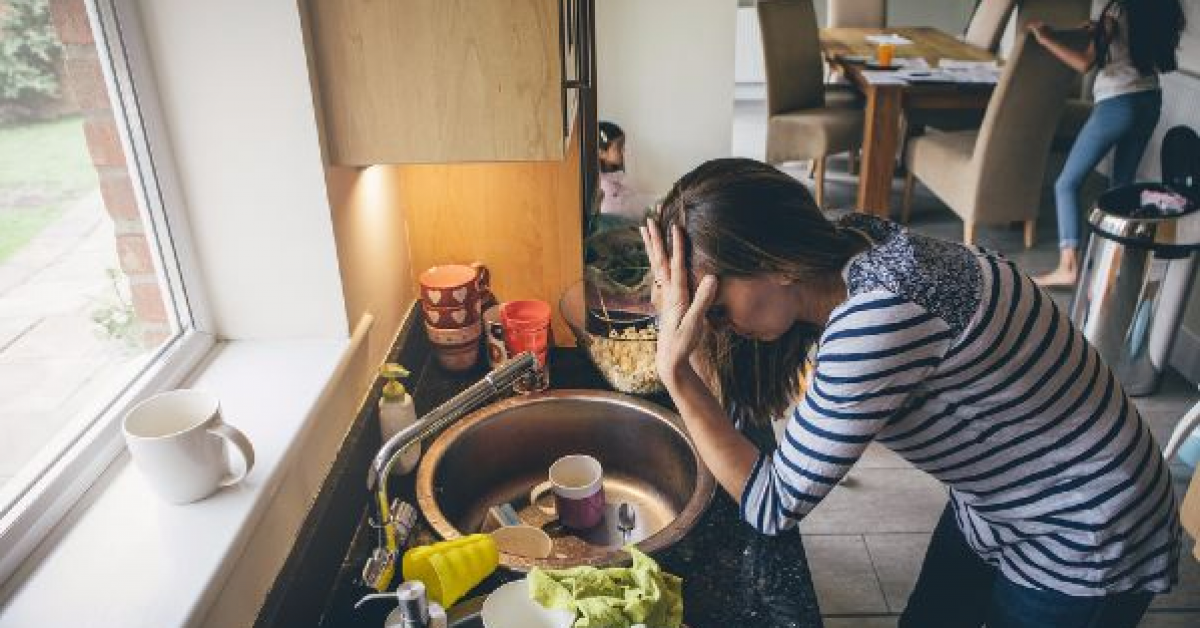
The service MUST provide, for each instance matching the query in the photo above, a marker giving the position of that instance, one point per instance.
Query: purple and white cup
(578, 485)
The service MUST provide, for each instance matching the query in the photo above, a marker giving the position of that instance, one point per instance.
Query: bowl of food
(619, 342)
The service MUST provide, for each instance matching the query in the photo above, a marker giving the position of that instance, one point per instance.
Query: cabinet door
(436, 81)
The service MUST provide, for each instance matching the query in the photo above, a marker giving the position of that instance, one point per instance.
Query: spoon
(626, 520)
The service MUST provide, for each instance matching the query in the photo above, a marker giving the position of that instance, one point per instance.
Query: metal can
(493, 335)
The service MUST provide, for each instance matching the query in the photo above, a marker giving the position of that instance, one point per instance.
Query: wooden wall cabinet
(523, 220)
(442, 81)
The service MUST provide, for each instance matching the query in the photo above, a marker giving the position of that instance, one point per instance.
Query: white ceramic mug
(177, 440)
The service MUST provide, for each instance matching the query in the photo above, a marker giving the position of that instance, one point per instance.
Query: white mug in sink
(177, 440)
(511, 607)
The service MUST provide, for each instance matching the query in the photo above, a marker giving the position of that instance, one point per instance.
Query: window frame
(54, 481)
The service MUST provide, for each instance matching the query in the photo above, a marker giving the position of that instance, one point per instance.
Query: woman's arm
(727, 453)
(1079, 60)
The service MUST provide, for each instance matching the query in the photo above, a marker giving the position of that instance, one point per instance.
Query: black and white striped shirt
(951, 357)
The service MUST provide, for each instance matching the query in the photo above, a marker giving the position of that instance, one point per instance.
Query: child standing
(1133, 40)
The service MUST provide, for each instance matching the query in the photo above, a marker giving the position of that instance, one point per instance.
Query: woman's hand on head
(680, 313)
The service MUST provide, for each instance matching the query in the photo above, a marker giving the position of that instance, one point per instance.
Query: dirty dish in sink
(523, 540)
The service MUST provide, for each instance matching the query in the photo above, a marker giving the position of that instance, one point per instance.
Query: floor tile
(879, 457)
(1167, 620)
(897, 559)
(879, 501)
(843, 576)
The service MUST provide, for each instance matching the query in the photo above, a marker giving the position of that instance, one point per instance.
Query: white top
(1119, 76)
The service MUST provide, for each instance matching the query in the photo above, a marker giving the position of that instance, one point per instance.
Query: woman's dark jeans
(957, 589)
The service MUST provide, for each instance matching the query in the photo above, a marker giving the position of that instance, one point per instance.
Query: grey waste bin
(1134, 283)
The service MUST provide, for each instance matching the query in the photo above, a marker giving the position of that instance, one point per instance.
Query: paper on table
(927, 76)
(889, 38)
(912, 63)
(962, 64)
(883, 77)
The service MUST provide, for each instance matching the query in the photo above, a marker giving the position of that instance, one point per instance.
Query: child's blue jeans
(1122, 122)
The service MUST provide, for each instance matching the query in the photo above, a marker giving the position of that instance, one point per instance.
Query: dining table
(848, 51)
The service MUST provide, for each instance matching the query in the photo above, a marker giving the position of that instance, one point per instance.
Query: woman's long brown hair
(741, 218)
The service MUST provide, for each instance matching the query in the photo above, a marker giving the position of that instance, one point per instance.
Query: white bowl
(511, 607)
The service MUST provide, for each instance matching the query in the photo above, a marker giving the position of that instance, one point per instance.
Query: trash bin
(1135, 278)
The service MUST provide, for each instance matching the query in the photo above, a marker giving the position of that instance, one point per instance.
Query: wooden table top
(930, 43)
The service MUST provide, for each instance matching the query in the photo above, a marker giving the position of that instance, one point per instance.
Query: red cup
(528, 314)
(527, 328)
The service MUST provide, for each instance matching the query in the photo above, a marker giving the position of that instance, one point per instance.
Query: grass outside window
(44, 167)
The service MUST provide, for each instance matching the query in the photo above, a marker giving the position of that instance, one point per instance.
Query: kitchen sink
(499, 453)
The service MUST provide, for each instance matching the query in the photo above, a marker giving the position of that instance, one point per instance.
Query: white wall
(1189, 57)
(665, 74)
(233, 82)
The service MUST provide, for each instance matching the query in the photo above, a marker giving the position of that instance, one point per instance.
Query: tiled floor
(867, 539)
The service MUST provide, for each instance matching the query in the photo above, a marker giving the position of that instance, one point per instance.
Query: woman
(1132, 42)
(1061, 512)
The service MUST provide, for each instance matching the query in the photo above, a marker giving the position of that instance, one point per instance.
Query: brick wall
(85, 80)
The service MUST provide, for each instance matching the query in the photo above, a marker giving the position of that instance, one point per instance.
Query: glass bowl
(619, 342)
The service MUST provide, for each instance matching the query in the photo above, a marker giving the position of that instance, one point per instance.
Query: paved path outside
(54, 365)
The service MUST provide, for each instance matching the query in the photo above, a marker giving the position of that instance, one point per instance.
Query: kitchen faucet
(495, 383)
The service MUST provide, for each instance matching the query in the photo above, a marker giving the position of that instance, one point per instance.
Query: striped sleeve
(876, 350)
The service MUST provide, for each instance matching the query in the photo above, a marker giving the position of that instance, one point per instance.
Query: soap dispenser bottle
(396, 412)
(413, 608)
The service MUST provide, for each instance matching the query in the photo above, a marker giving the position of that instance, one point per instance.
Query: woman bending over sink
(1060, 512)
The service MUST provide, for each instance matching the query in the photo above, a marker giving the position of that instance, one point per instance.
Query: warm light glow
(374, 198)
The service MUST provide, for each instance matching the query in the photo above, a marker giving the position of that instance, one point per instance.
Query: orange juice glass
(884, 54)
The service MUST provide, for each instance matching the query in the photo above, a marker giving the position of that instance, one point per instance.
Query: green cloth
(616, 597)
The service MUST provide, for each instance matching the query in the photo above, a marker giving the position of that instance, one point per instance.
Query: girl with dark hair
(1061, 511)
(1132, 42)
(611, 142)
(619, 198)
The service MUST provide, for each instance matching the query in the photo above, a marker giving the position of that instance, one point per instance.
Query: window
(96, 309)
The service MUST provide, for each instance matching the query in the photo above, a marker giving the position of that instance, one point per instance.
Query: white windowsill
(124, 558)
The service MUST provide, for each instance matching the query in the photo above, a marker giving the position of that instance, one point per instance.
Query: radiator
(748, 59)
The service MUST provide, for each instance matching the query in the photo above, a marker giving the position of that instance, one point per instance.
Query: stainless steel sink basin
(497, 454)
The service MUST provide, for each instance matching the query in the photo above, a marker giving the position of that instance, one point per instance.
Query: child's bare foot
(1058, 278)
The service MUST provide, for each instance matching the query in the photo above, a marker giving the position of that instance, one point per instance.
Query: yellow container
(451, 568)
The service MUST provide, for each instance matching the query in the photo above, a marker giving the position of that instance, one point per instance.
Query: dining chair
(807, 120)
(994, 175)
(1059, 15)
(988, 22)
(857, 13)
(984, 30)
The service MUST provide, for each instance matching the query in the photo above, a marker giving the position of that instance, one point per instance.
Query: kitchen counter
(732, 575)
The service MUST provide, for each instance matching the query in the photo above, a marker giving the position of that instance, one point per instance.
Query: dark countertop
(732, 575)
